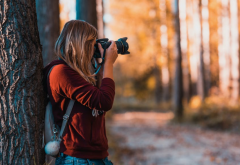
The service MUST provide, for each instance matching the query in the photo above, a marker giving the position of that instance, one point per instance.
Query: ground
(148, 138)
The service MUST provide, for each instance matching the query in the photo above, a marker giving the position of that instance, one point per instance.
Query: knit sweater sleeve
(68, 83)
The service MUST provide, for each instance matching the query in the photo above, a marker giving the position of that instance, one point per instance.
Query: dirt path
(152, 141)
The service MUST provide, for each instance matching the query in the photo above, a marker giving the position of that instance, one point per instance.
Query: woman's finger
(100, 49)
(113, 45)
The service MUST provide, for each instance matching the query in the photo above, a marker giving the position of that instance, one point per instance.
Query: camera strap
(103, 60)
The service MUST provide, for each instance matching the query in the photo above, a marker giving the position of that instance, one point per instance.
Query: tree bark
(178, 81)
(86, 10)
(21, 91)
(49, 27)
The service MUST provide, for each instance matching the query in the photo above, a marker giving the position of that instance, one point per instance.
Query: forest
(176, 94)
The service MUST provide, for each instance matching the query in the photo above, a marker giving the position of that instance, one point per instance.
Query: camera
(121, 43)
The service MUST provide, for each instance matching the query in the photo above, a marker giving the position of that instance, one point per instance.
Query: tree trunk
(49, 27)
(239, 43)
(234, 50)
(205, 46)
(158, 85)
(223, 51)
(184, 43)
(49, 30)
(100, 23)
(201, 86)
(214, 65)
(157, 66)
(21, 92)
(178, 81)
(86, 10)
(170, 21)
(194, 35)
(164, 50)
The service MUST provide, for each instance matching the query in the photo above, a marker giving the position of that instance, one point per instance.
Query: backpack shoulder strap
(66, 115)
(65, 118)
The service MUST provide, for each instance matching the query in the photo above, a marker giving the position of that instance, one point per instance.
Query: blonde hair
(75, 47)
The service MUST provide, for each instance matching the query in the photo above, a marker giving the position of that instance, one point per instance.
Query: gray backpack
(52, 133)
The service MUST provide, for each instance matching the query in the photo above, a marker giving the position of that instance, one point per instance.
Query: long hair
(75, 46)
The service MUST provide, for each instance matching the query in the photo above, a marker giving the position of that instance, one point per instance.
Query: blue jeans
(69, 160)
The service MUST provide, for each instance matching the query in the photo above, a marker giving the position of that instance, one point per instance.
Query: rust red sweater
(85, 135)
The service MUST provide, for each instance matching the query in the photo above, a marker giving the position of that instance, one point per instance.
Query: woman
(84, 139)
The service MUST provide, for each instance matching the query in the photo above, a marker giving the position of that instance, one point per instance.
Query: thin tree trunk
(214, 64)
(178, 81)
(49, 30)
(21, 92)
(100, 18)
(194, 34)
(86, 10)
(184, 43)
(170, 21)
(192, 59)
(157, 76)
(157, 66)
(223, 51)
(49, 27)
(205, 46)
(164, 49)
(239, 43)
(234, 50)
(201, 70)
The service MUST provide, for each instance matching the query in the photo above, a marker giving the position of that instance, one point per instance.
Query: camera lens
(121, 44)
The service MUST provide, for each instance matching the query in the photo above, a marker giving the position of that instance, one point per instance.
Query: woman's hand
(99, 60)
(111, 53)
(110, 57)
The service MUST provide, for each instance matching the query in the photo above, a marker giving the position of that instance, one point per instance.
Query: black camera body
(121, 43)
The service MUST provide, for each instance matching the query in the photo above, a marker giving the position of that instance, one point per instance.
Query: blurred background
(177, 93)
